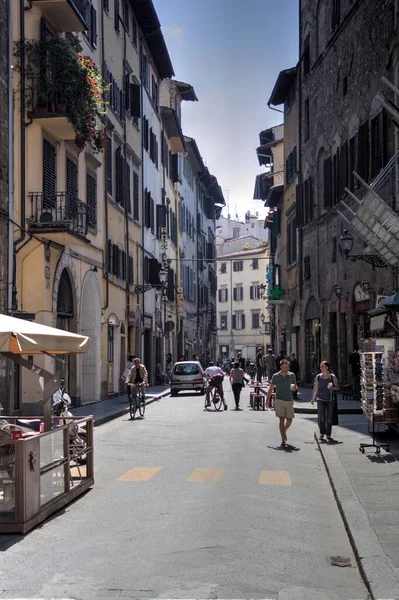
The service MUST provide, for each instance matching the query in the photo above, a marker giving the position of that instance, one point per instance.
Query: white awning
(26, 337)
(377, 322)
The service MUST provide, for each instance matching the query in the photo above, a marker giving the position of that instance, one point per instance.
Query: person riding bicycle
(138, 375)
(215, 380)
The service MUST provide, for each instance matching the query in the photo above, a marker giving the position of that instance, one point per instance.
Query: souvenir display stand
(379, 388)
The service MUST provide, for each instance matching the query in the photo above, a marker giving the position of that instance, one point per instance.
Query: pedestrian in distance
(259, 365)
(279, 358)
(284, 382)
(237, 383)
(270, 361)
(241, 361)
(354, 361)
(324, 390)
(294, 368)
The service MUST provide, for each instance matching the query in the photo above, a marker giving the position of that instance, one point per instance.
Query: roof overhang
(262, 187)
(148, 22)
(274, 196)
(186, 91)
(265, 154)
(194, 154)
(173, 130)
(216, 192)
(282, 86)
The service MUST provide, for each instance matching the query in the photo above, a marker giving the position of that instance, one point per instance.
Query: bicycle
(137, 402)
(215, 399)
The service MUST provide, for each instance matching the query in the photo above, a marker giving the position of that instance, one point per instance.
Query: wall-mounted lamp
(94, 269)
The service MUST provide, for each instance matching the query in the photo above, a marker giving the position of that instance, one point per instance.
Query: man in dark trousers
(259, 366)
(241, 361)
(354, 361)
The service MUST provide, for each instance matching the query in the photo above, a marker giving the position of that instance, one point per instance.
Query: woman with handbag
(237, 382)
(324, 389)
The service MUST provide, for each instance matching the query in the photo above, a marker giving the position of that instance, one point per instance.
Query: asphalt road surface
(192, 504)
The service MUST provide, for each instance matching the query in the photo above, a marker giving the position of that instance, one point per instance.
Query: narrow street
(192, 504)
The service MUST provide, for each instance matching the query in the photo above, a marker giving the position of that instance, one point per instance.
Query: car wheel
(173, 392)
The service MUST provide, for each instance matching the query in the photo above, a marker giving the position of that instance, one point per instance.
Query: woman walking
(324, 386)
(237, 381)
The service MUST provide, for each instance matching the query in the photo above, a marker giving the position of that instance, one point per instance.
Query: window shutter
(135, 100)
(72, 179)
(234, 322)
(343, 169)
(154, 267)
(353, 152)
(152, 214)
(171, 285)
(106, 5)
(118, 175)
(363, 151)
(136, 197)
(235, 294)
(93, 26)
(130, 270)
(91, 199)
(122, 104)
(49, 174)
(161, 216)
(299, 204)
(116, 16)
(175, 168)
(251, 292)
(109, 256)
(115, 259)
(220, 295)
(327, 184)
(123, 265)
(145, 133)
(108, 153)
(148, 210)
(243, 321)
(128, 190)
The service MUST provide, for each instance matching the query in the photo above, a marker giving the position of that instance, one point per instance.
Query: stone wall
(345, 74)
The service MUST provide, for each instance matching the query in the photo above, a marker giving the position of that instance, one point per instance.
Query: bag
(217, 379)
(125, 374)
(334, 400)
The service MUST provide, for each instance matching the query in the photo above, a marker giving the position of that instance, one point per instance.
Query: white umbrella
(19, 336)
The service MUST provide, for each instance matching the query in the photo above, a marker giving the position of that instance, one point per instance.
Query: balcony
(47, 104)
(60, 217)
(65, 15)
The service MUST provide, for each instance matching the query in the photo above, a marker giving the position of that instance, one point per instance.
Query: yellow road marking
(206, 475)
(140, 474)
(274, 478)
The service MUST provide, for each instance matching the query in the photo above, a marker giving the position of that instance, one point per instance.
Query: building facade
(242, 319)
(344, 129)
(252, 225)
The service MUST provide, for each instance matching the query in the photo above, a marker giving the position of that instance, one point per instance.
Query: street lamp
(366, 286)
(262, 318)
(346, 241)
(338, 291)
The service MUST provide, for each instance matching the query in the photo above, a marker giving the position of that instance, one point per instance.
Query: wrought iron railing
(58, 211)
(46, 95)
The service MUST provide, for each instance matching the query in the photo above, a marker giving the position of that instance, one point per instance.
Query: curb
(124, 411)
(313, 411)
(374, 565)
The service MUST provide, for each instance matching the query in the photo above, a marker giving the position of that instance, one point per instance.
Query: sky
(231, 52)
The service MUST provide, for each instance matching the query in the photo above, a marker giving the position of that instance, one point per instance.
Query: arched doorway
(313, 339)
(90, 388)
(66, 320)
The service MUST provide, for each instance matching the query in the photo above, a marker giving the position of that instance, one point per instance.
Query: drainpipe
(10, 269)
(23, 139)
(105, 256)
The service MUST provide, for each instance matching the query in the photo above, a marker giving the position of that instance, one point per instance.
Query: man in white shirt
(211, 373)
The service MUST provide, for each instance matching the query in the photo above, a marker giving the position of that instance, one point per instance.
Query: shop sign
(132, 319)
(147, 322)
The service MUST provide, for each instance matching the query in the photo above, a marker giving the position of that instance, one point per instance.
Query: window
(306, 56)
(91, 33)
(353, 162)
(145, 76)
(378, 143)
(254, 292)
(343, 170)
(91, 199)
(336, 14)
(255, 263)
(238, 321)
(71, 180)
(335, 178)
(334, 249)
(255, 320)
(223, 295)
(145, 133)
(126, 14)
(238, 265)
(136, 197)
(363, 151)
(110, 346)
(134, 32)
(291, 166)
(116, 16)
(307, 200)
(291, 239)
(327, 183)
(223, 268)
(223, 321)
(236, 232)
(49, 174)
(130, 271)
(307, 120)
(345, 85)
(119, 176)
(106, 6)
(238, 293)
(306, 267)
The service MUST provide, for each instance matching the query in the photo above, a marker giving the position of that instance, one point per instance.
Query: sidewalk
(106, 410)
(366, 487)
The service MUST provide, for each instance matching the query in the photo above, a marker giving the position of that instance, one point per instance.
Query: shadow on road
(288, 448)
